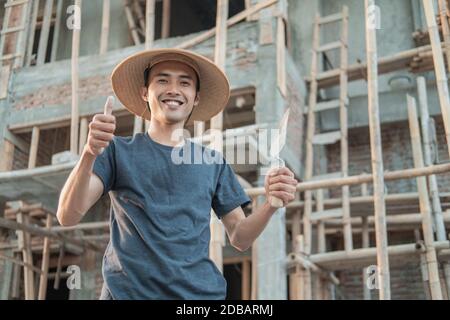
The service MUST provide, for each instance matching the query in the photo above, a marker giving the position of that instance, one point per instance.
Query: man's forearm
(72, 201)
(251, 227)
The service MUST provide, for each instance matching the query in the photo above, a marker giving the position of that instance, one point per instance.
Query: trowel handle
(274, 201)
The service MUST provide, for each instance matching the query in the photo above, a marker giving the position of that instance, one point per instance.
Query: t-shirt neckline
(160, 145)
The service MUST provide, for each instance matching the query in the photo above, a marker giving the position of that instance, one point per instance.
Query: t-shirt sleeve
(229, 193)
(105, 167)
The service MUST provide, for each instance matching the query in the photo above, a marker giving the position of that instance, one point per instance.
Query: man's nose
(173, 89)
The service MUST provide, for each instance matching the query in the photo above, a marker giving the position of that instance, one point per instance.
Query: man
(160, 210)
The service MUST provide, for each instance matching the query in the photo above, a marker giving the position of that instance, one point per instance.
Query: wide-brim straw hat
(128, 79)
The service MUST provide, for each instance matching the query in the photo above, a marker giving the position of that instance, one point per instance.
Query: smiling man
(160, 210)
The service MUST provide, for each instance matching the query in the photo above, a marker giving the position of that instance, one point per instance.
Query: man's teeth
(172, 103)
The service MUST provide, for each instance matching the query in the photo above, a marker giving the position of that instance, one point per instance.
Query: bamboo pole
(321, 245)
(27, 257)
(432, 181)
(254, 283)
(425, 208)
(32, 31)
(45, 30)
(45, 261)
(42, 232)
(140, 16)
(281, 56)
(348, 241)
(105, 26)
(307, 232)
(217, 231)
(131, 23)
(365, 244)
(33, 148)
(423, 268)
(445, 29)
(294, 285)
(376, 156)
(245, 288)
(57, 29)
(441, 77)
(165, 28)
(75, 84)
(149, 23)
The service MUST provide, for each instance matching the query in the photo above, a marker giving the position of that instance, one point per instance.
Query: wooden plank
(326, 105)
(22, 36)
(105, 26)
(33, 148)
(5, 72)
(45, 30)
(326, 138)
(75, 84)
(56, 30)
(45, 261)
(13, 3)
(330, 18)
(7, 156)
(425, 207)
(376, 156)
(330, 46)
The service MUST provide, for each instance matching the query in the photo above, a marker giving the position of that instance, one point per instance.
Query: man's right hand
(101, 129)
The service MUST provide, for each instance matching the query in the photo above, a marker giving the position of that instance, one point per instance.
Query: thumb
(108, 105)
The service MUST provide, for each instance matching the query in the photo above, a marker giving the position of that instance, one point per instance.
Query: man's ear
(144, 93)
(197, 99)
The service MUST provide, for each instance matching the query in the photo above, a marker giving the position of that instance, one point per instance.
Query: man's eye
(185, 83)
(162, 81)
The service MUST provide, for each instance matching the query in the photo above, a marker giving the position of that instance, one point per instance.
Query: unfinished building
(368, 135)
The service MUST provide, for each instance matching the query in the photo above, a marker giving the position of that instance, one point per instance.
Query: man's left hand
(280, 183)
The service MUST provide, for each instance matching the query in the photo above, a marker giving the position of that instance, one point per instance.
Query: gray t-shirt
(161, 200)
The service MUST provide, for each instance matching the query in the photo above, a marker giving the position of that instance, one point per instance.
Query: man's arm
(241, 230)
(83, 188)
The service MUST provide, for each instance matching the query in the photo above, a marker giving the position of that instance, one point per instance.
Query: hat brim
(127, 81)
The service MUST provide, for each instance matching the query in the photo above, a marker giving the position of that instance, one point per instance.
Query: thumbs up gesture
(101, 129)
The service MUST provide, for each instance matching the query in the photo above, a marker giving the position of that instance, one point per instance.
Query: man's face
(171, 92)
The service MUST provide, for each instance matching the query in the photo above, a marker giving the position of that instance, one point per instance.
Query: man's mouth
(172, 103)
